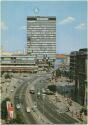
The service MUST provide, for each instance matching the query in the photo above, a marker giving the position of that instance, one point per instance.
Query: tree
(52, 88)
(7, 76)
(4, 113)
(58, 73)
(2, 73)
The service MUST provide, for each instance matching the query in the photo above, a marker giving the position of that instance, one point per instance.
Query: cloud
(67, 20)
(3, 26)
(81, 26)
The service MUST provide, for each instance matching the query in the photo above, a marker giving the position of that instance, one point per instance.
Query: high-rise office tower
(41, 37)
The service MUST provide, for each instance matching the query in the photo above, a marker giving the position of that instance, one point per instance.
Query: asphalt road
(26, 117)
(50, 110)
(44, 106)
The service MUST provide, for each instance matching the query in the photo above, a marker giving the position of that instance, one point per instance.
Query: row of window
(41, 32)
(41, 40)
(43, 48)
(42, 22)
(42, 52)
(42, 36)
(39, 29)
(44, 44)
(39, 26)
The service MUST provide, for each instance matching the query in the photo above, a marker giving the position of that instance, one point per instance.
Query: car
(14, 87)
(25, 76)
(32, 92)
(43, 91)
(47, 89)
(44, 94)
(12, 90)
(35, 106)
(16, 97)
(38, 93)
(28, 110)
(33, 109)
(50, 93)
(18, 106)
(3, 82)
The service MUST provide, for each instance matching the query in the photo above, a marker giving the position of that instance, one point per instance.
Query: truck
(28, 110)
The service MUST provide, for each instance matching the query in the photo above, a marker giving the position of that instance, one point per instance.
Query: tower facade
(41, 37)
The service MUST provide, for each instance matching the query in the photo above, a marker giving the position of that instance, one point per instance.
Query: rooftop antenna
(36, 11)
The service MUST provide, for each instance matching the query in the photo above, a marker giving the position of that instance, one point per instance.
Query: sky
(71, 23)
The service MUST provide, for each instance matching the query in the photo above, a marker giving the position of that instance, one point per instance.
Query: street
(50, 110)
(46, 111)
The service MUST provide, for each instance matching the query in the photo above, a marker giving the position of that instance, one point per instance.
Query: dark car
(32, 92)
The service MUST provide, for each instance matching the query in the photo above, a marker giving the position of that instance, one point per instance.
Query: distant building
(63, 61)
(60, 56)
(78, 72)
(41, 37)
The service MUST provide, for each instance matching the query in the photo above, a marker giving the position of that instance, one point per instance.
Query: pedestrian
(80, 115)
(77, 114)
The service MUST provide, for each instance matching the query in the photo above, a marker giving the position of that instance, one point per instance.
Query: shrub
(52, 88)
(7, 76)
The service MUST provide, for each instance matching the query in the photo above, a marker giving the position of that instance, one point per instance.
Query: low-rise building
(18, 63)
(22, 63)
(62, 61)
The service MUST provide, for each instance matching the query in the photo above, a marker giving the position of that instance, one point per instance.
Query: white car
(12, 90)
(35, 106)
(38, 93)
(43, 91)
(18, 106)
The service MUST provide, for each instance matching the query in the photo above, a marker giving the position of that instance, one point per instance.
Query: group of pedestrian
(77, 113)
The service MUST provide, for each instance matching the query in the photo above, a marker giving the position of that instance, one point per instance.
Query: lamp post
(36, 98)
(43, 102)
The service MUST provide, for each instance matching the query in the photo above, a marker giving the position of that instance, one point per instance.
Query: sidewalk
(66, 105)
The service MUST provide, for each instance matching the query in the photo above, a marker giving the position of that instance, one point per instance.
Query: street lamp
(36, 98)
(43, 102)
